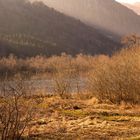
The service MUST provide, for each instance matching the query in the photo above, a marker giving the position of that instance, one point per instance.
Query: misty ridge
(135, 7)
(22, 23)
(106, 14)
(89, 27)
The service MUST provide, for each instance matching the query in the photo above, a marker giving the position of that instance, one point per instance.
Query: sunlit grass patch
(134, 138)
(121, 118)
(43, 105)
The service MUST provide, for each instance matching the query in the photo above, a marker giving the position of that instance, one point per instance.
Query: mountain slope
(24, 45)
(135, 7)
(107, 14)
(63, 33)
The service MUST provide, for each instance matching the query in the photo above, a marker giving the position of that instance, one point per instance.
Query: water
(48, 86)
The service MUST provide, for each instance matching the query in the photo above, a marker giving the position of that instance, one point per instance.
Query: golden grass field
(76, 119)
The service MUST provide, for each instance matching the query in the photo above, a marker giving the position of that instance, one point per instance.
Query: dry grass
(58, 118)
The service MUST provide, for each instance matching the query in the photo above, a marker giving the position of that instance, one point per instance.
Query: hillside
(23, 45)
(64, 33)
(135, 7)
(109, 15)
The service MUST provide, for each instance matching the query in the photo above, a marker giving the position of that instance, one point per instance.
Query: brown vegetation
(41, 64)
(117, 79)
(106, 109)
(114, 79)
(16, 110)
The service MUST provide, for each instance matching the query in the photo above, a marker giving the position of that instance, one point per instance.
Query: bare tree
(16, 110)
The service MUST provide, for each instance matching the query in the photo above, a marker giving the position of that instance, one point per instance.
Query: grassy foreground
(76, 119)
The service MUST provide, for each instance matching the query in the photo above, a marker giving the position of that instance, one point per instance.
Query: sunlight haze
(128, 1)
(121, 1)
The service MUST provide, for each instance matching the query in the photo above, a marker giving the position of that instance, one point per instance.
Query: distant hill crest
(107, 14)
(42, 30)
(135, 7)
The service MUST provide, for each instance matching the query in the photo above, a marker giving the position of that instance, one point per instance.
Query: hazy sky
(128, 1)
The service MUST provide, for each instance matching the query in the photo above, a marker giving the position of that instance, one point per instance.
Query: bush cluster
(118, 79)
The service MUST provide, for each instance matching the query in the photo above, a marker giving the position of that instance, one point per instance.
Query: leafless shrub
(62, 84)
(118, 79)
(15, 110)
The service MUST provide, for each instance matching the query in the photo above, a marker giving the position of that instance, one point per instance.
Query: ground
(76, 119)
